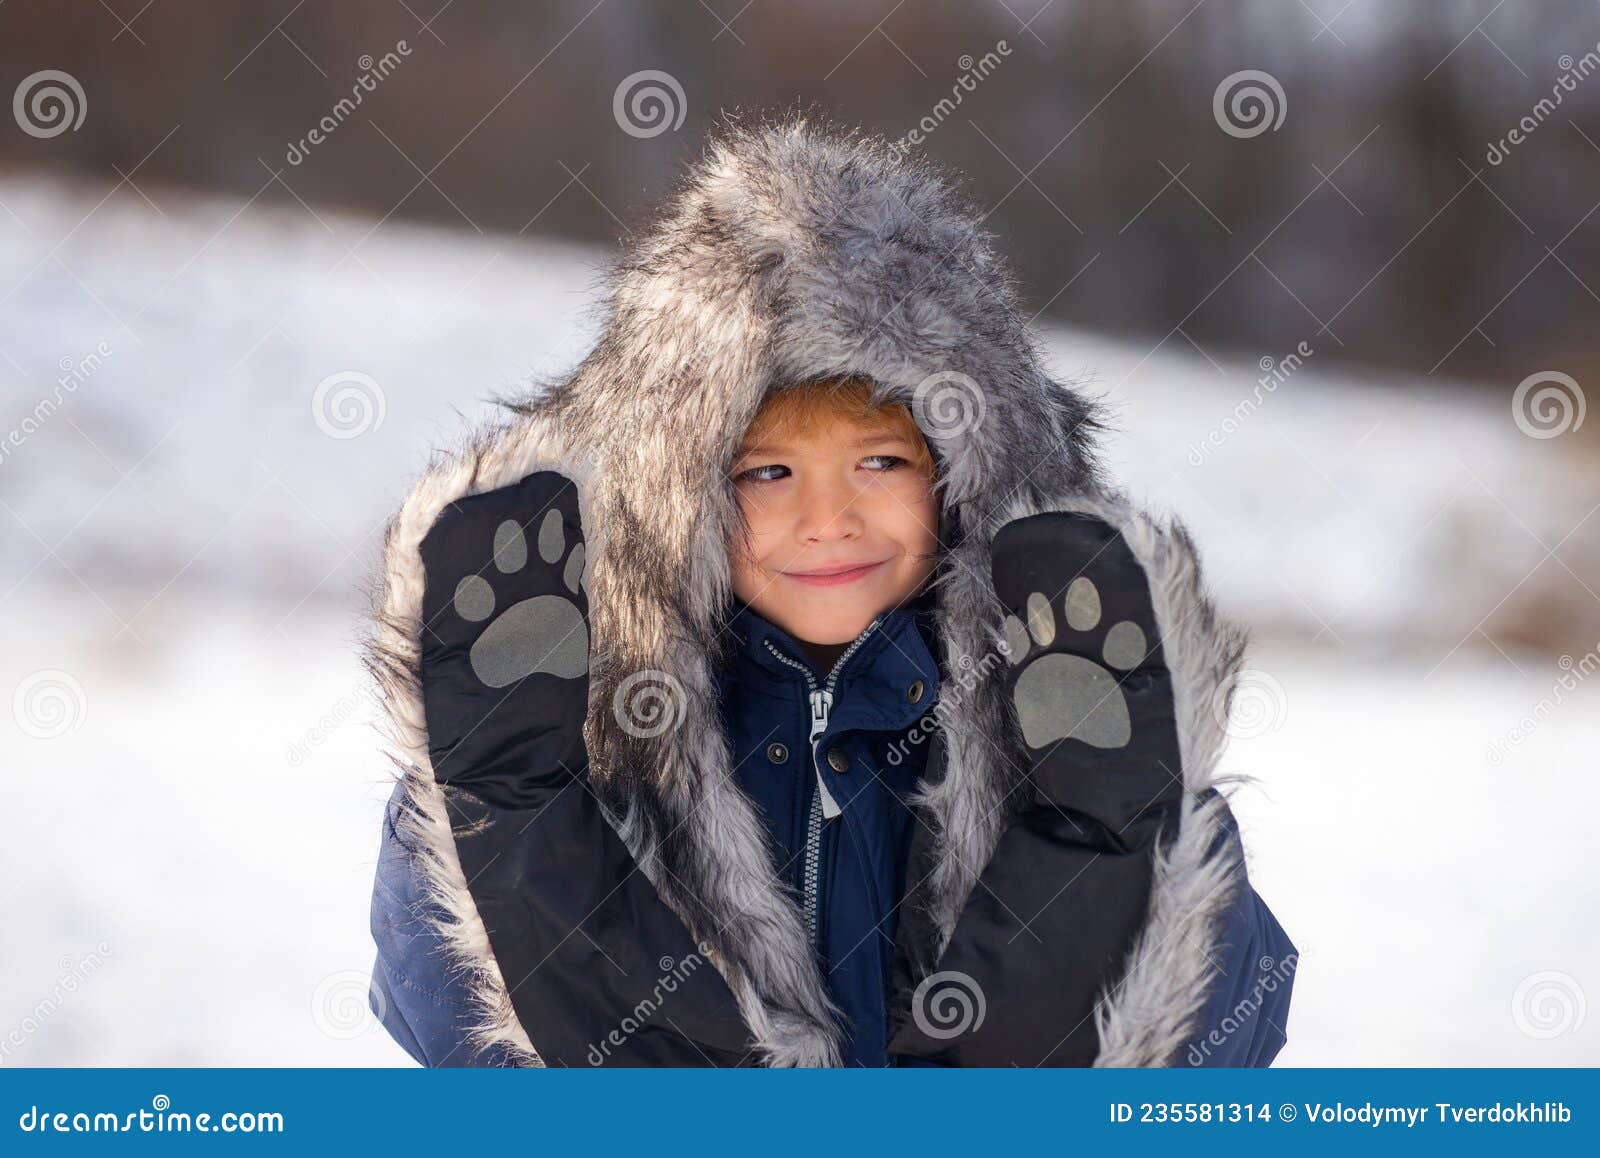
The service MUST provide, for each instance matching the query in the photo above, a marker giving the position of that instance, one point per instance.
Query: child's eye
(759, 474)
(889, 462)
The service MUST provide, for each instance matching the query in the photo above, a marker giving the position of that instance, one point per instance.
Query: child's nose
(828, 511)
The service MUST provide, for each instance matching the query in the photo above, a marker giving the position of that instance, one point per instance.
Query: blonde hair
(824, 401)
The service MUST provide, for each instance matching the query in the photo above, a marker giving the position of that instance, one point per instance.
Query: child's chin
(813, 632)
(819, 621)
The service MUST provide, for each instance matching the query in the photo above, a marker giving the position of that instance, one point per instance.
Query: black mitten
(1057, 908)
(505, 642)
(1087, 676)
(599, 970)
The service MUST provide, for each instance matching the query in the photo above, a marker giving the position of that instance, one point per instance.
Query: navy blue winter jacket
(848, 871)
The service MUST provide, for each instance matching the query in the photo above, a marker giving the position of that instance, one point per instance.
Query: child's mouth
(830, 577)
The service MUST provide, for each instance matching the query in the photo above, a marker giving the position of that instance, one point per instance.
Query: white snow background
(192, 814)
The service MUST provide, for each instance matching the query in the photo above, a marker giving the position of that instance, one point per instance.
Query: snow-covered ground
(214, 823)
(188, 870)
(1439, 900)
(185, 872)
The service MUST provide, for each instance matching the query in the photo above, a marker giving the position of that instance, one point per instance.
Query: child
(786, 687)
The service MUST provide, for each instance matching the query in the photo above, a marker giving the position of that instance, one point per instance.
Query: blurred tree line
(1372, 222)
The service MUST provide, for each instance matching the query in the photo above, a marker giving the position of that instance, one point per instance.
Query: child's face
(838, 495)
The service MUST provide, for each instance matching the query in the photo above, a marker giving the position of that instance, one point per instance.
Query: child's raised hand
(505, 641)
(578, 933)
(1087, 678)
(1092, 654)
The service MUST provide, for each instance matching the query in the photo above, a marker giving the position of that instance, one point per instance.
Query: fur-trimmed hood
(794, 252)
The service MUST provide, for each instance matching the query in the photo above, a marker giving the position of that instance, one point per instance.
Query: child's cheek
(742, 576)
(926, 508)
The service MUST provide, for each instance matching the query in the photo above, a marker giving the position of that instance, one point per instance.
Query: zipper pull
(821, 701)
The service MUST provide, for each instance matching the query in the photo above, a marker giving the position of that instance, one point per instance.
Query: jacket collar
(875, 685)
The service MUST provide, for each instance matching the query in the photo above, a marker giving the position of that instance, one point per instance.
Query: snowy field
(187, 865)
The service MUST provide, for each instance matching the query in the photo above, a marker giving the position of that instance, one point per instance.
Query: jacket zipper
(822, 805)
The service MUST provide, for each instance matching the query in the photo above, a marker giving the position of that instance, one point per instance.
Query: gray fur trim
(425, 829)
(391, 650)
(790, 252)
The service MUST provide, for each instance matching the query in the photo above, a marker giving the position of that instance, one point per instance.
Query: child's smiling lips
(834, 575)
